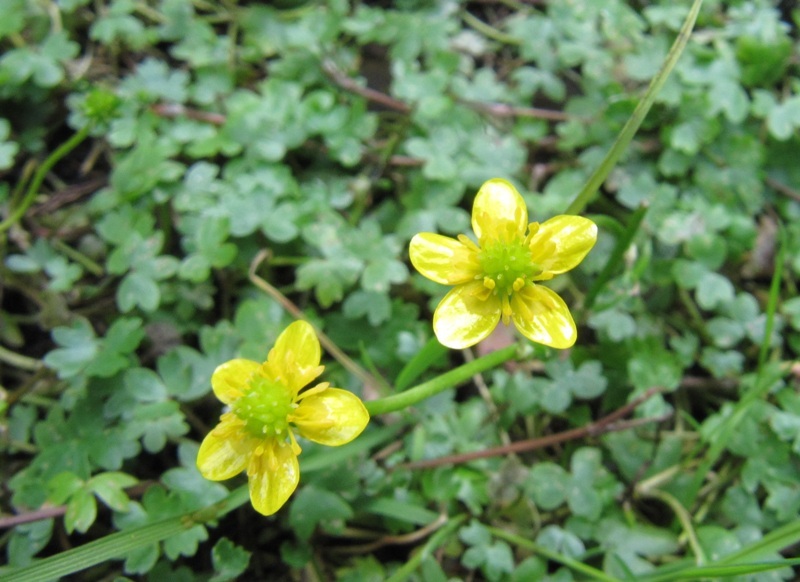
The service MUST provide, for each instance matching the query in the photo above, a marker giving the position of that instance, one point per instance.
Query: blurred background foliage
(329, 133)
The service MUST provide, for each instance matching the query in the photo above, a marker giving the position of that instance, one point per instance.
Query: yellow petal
(225, 450)
(499, 212)
(230, 380)
(443, 259)
(331, 417)
(562, 242)
(273, 475)
(463, 318)
(542, 316)
(294, 361)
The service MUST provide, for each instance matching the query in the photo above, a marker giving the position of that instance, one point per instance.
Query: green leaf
(144, 385)
(328, 278)
(229, 560)
(81, 511)
(547, 483)
(78, 349)
(139, 290)
(63, 486)
(312, 507)
(714, 289)
(374, 305)
(560, 541)
(109, 488)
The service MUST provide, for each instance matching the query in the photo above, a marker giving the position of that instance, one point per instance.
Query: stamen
(519, 283)
(506, 310)
(489, 283)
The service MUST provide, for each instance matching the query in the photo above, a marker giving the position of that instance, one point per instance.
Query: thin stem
(447, 380)
(684, 518)
(18, 360)
(297, 313)
(631, 127)
(489, 31)
(604, 425)
(774, 295)
(436, 540)
(77, 256)
(588, 571)
(38, 178)
(120, 544)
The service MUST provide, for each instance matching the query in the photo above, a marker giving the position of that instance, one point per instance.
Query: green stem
(489, 31)
(587, 571)
(78, 257)
(685, 519)
(631, 127)
(447, 380)
(623, 243)
(38, 178)
(18, 360)
(120, 544)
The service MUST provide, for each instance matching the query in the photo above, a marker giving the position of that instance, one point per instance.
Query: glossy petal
(499, 212)
(294, 361)
(225, 450)
(562, 242)
(443, 259)
(462, 318)
(230, 380)
(273, 473)
(542, 316)
(332, 417)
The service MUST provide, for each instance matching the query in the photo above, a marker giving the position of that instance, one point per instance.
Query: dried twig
(606, 424)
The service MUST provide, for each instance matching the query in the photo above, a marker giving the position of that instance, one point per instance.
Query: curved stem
(440, 383)
(38, 178)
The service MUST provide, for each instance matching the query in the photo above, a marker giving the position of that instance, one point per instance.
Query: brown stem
(606, 424)
(783, 188)
(350, 85)
(28, 517)
(175, 110)
(401, 539)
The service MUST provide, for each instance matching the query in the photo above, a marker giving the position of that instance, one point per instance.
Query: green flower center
(507, 266)
(265, 408)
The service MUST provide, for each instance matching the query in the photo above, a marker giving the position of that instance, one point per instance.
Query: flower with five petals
(499, 276)
(267, 404)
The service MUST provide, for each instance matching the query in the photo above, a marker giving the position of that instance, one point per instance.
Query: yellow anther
(519, 283)
(489, 283)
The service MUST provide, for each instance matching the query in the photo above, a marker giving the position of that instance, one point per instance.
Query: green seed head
(265, 408)
(507, 266)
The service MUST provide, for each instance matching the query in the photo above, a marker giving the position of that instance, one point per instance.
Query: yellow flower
(266, 407)
(499, 276)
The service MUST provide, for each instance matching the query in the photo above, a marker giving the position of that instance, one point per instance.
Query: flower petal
(443, 259)
(542, 316)
(331, 417)
(562, 242)
(230, 380)
(464, 317)
(294, 361)
(499, 212)
(273, 475)
(225, 450)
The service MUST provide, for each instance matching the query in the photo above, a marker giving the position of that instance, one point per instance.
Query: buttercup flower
(266, 406)
(499, 276)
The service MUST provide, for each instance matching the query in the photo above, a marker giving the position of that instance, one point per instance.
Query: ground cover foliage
(328, 134)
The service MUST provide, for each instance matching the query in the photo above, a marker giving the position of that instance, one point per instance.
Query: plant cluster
(195, 195)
